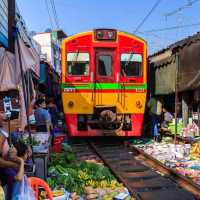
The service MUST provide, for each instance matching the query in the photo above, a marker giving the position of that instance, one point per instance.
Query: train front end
(104, 83)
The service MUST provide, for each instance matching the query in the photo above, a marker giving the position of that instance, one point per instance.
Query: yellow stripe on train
(84, 102)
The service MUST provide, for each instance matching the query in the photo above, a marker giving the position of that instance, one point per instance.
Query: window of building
(105, 65)
(4, 22)
(131, 64)
(78, 64)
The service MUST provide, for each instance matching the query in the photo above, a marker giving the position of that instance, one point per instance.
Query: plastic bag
(22, 190)
(2, 195)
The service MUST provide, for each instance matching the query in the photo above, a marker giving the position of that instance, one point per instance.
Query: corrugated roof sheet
(179, 44)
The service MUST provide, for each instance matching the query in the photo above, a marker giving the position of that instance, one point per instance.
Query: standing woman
(42, 117)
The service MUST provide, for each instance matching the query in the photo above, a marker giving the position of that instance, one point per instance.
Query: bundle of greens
(74, 176)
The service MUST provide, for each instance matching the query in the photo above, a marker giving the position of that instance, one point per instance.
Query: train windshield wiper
(129, 59)
(75, 58)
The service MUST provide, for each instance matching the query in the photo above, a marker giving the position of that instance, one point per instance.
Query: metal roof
(179, 44)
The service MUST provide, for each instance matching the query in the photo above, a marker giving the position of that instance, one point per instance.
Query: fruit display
(75, 177)
(196, 149)
(82, 179)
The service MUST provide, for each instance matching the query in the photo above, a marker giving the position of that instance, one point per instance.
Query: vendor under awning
(175, 73)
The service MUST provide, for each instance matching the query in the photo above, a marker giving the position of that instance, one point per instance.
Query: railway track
(145, 178)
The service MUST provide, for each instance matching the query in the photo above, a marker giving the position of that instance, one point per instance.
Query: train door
(104, 60)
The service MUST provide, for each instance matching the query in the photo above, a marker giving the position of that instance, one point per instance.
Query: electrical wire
(55, 13)
(188, 4)
(171, 28)
(49, 13)
(147, 16)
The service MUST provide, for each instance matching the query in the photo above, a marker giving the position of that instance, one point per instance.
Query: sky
(81, 15)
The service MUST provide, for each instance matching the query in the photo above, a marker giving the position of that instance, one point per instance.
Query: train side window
(78, 64)
(105, 65)
(131, 65)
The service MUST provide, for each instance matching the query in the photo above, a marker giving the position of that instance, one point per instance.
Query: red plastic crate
(57, 148)
(57, 142)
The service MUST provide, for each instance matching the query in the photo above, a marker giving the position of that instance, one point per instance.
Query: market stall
(175, 77)
(182, 158)
(81, 179)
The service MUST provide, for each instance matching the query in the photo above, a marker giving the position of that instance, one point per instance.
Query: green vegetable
(74, 176)
(66, 147)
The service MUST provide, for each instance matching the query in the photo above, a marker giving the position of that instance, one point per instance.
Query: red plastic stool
(37, 183)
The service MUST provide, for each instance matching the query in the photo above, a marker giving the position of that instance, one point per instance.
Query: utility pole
(11, 24)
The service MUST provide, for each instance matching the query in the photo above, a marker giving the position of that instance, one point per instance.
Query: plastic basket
(57, 148)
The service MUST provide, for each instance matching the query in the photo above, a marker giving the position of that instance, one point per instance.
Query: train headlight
(70, 104)
(138, 104)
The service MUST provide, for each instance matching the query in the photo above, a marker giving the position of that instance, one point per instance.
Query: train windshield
(78, 64)
(131, 64)
(105, 65)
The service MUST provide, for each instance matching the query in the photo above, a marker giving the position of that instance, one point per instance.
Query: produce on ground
(75, 177)
(104, 194)
(196, 149)
(91, 193)
(89, 179)
(183, 158)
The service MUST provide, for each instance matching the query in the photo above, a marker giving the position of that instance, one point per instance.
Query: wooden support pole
(176, 96)
(11, 24)
(185, 109)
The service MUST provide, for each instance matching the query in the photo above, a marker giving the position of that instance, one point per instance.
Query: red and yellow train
(104, 83)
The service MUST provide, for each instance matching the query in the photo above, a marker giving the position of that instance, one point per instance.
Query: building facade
(50, 47)
(4, 23)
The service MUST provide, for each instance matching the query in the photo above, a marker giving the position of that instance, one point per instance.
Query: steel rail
(146, 177)
(186, 183)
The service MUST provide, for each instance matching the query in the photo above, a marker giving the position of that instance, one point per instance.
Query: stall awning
(30, 62)
(164, 66)
(30, 59)
(189, 70)
(8, 70)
